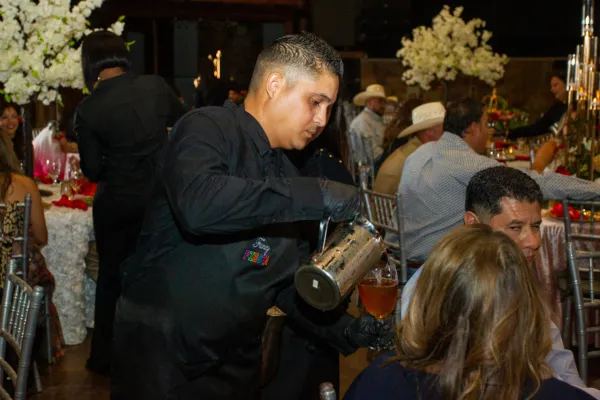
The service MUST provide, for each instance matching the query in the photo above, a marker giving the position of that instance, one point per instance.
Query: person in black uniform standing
(121, 128)
(220, 243)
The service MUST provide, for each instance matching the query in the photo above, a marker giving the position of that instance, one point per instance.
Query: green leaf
(71, 43)
(129, 44)
(60, 103)
(39, 35)
(35, 74)
(65, 20)
(121, 18)
(14, 62)
(88, 23)
(7, 98)
(85, 90)
(56, 17)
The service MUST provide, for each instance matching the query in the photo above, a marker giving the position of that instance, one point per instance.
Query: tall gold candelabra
(583, 99)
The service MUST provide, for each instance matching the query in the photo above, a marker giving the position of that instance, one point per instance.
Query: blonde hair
(477, 318)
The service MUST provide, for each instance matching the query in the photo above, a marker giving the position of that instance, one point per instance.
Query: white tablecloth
(69, 234)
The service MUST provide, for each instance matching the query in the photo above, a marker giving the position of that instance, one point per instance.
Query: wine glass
(378, 291)
(53, 170)
(75, 176)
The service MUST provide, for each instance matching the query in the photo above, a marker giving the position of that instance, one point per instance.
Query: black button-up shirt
(121, 128)
(218, 243)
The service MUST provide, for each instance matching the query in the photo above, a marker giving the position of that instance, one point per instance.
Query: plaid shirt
(433, 190)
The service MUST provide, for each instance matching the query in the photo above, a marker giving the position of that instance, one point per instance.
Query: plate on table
(45, 193)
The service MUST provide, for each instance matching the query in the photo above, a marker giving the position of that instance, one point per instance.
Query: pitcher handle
(323, 225)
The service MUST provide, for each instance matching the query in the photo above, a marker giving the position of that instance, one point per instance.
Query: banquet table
(552, 258)
(69, 233)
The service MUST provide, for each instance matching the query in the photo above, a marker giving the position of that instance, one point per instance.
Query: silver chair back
(18, 317)
(361, 155)
(385, 212)
(582, 275)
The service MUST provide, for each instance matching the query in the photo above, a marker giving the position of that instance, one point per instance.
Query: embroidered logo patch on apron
(259, 253)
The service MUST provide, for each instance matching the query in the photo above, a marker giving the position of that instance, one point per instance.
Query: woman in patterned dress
(13, 188)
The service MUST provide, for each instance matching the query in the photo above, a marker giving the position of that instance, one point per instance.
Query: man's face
(477, 135)
(376, 104)
(521, 222)
(436, 132)
(299, 112)
(558, 88)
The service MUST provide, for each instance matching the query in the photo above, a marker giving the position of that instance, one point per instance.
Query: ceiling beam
(259, 11)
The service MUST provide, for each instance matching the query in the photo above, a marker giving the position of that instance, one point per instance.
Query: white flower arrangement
(39, 47)
(450, 46)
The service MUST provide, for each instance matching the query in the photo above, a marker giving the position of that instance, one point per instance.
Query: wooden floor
(69, 380)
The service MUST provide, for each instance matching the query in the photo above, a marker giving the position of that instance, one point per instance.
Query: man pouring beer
(220, 242)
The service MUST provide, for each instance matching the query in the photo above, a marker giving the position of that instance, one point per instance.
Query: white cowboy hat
(371, 91)
(425, 116)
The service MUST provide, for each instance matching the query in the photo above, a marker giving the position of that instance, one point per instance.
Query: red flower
(558, 211)
(562, 170)
(494, 117)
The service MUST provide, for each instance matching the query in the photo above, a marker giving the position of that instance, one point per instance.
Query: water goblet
(378, 291)
(53, 170)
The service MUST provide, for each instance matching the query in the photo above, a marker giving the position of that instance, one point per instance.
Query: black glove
(367, 331)
(342, 202)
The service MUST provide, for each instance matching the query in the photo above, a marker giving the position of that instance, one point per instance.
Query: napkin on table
(76, 204)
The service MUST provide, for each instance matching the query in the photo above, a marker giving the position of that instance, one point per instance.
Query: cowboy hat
(392, 99)
(371, 91)
(425, 116)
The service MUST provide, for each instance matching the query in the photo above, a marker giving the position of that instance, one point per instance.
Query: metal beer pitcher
(339, 263)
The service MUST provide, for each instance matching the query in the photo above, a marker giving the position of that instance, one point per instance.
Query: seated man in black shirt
(554, 114)
(220, 242)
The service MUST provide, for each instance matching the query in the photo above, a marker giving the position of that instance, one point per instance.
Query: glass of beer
(378, 291)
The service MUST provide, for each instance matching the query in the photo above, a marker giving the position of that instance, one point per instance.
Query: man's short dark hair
(461, 114)
(488, 187)
(304, 53)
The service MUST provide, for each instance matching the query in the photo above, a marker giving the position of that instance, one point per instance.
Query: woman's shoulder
(19, 187)
(386, 379)
(556, 389)
(23, 182)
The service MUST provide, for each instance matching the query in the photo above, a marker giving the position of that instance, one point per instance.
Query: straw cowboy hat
(392, 99)
(371, 91)
(425, 116)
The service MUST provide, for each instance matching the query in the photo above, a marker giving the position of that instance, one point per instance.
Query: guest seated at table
(552, 118)
(426, 127)
(403, 120)
(121, 130)
(475, 329)
(436, 175)
(509, 201)
(13, 188)
(11, 129)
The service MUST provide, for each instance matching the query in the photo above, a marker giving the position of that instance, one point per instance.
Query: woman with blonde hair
(476, 328)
